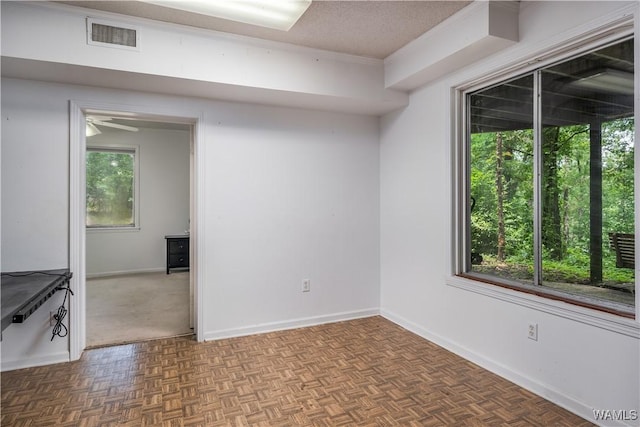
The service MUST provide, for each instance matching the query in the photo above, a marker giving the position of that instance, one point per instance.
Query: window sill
(592, 317)
(112, 229)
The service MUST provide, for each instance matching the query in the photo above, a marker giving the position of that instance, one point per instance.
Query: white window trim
(577, 44)
(135, 149)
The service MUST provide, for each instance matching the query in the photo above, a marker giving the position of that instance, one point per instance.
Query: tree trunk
(595, 202)
(565, 215)
(551, 218)
(500, 194)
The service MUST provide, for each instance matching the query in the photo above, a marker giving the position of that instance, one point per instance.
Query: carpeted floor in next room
(137, 307)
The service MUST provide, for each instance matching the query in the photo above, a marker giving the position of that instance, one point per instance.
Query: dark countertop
(24, 291)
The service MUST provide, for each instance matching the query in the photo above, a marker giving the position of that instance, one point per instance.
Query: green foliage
(618, 175)
(565, 193)
(109, 190)
(518, 178)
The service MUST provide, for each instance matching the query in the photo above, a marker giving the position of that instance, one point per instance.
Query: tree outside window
(110, 177)
(551, 177)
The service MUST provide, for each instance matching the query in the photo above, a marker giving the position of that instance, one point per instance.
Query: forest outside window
(111, 182)
(550, 181)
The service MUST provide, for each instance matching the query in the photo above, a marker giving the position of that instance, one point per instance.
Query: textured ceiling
(369, 28)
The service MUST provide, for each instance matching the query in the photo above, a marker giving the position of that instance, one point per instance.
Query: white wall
(290, 195)
(48, 42)
(163, 156)
(294, 194)
(575, 363)
(35, 231)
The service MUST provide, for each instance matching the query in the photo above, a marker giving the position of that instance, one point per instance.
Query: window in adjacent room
(549, 181)
(111, 187)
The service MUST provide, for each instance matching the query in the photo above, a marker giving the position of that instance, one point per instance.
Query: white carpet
(137, 307)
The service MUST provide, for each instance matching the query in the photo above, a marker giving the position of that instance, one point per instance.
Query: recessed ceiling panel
(373, 29)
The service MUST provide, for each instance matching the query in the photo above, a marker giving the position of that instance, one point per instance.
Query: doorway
(83, 240)
(137, 192)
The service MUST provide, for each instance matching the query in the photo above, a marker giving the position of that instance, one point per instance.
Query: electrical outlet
(532, 333)
(306, 285)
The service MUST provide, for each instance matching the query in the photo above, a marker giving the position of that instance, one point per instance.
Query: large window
(111, 183)
(549, 186)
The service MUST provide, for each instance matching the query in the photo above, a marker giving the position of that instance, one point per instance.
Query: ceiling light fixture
(277, 14)
(607, 80)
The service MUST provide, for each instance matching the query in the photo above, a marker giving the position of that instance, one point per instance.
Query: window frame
(124, 149)
(536, 297)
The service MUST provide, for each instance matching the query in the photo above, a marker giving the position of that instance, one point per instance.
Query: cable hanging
(59, 329)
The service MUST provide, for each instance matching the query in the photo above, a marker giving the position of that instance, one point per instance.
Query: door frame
(77, 207)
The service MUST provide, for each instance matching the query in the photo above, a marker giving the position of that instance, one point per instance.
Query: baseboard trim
(548, 393)
(123, 272)
(32, 362)
(290, 324)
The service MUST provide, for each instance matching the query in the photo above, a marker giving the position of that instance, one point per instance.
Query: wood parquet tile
(367, 372)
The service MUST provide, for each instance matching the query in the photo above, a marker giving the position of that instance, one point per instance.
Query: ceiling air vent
(104, 33)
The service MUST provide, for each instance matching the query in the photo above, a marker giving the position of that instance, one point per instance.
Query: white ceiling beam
(478, 30)
(48, 42)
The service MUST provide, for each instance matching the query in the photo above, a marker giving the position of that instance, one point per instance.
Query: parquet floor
(366, 372)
